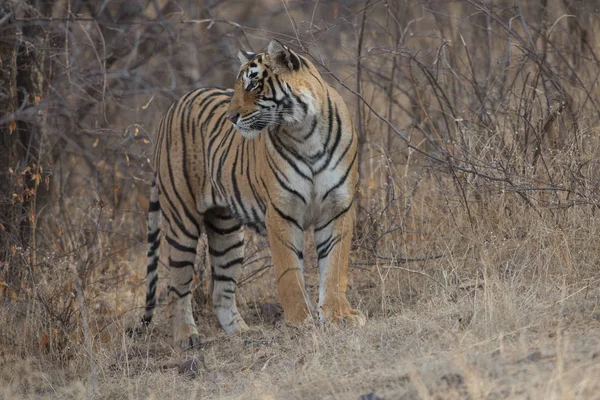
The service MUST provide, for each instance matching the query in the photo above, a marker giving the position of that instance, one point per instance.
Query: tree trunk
(22, 191)
(9, 149)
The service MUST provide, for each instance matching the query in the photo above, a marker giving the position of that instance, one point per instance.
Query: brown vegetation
(477, 251)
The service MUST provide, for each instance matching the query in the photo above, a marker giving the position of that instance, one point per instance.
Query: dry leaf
(44, 341)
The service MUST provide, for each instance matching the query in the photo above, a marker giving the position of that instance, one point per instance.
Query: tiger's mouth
(247, 132)
(251, 129)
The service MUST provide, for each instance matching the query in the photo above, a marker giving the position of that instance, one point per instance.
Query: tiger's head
(276, 87)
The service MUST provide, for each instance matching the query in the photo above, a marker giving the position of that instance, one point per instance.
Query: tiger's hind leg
(182, 254)
(226, 249)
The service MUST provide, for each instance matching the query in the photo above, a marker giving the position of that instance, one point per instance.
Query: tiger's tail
(154, 220)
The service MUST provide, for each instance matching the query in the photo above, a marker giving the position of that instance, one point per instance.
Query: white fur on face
(248, 134)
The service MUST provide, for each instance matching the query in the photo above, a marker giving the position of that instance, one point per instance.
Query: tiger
(276, 154)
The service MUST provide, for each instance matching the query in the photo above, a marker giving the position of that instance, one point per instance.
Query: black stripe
(186, 176)
(291, 247)
(344, 153)
(270, 82)
(257, 199)
(282, 183)
(176, 216)
(344, 211)
(180, 247)
(281, 214)
(180, 264)
(152, 249)
(180, 295)
(328, 246)
(150, 301)
(220, 231)
(260, 200)
(261, 203)
(312, 129)
(152, 236)
(342, 180)
(164, 216)
(223, 278)
(318, 78)
(234, 184)
(219, 181)
(287, 158)
(290, 136)
(182, 204)
(219, 253)
(203, 105)
(197, 93)
(217, 135)
(152, 266)
(324, 243)
(336, 142)
(286, 217)
(154, 206)
(235, 261)
(300, 102)
(153, 283)
(274, 165)
(211, 113)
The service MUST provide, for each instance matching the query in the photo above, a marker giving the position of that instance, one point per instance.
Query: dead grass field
(502, 342)
(514, 312)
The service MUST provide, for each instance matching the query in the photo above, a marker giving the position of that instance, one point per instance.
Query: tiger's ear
(282, 56)
(245, 56)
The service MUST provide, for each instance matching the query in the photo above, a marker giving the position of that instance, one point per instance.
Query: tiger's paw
(354, 319)
(187, 337)
(338, 312)
(236, 327)
(298, 316)
(231, 320)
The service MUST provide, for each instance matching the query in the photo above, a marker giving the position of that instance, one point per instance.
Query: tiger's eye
(252, 86)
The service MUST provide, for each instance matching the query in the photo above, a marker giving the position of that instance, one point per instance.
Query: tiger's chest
(311, 200)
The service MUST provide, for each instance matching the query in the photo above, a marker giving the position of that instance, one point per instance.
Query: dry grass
(515, 313)
(502, 340)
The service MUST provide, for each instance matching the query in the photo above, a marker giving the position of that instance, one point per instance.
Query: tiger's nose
(233, 117)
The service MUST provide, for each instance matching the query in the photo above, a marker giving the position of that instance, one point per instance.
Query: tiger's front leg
(333, 238)
(286, 240)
